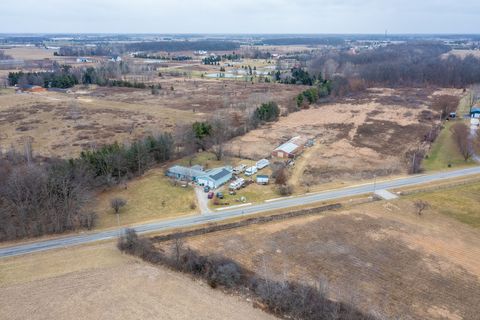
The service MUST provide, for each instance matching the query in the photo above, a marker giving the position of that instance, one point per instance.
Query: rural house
(216, 177)
(185, 173)
(290, 149)
(213, 178)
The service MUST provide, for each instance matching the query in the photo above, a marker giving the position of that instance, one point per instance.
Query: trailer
(239, 169)
(263, 179)
(251, 171)
(237, 184)
(262, 164)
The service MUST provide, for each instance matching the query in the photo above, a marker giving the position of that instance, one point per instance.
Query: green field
(149, 197)
(461, 203)
(445, 152)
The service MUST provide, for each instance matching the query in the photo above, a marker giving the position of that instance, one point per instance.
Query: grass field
(461, 203)
(444, 152)
(149, 197)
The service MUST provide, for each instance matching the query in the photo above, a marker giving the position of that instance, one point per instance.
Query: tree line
(407, 64)
(46, 196)
(67, 77)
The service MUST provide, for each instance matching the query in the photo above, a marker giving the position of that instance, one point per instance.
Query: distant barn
(290, 149)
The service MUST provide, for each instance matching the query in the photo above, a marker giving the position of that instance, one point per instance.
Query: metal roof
(219, 173)
(288, 147)
(184, 171)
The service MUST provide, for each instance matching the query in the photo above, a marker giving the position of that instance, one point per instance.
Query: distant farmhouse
(83, 60)
(290, 149)
(115, 59)
(213, 178)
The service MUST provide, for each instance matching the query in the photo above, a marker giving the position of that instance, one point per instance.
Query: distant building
(83, 60)
(213, 178)
(216, 177)
(290, 149)
(185, 173)
(115, 59)
(475, 111)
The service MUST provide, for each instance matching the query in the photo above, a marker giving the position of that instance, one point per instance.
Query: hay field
(380, 256)
(98, 282)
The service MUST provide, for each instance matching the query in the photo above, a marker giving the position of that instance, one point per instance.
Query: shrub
(285, 189)
(268, 112)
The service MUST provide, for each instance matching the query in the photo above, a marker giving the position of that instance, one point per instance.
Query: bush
(226, 274)
(285, 189)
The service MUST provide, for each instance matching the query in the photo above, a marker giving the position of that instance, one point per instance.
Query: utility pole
(374, 183)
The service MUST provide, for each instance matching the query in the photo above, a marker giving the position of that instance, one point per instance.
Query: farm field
(381, 256)
(64, 124)
(355, 139)
(98, 282)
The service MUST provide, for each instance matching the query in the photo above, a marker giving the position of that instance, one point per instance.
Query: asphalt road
(83, 238)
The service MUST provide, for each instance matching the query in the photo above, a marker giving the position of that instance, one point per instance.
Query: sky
(240, 16)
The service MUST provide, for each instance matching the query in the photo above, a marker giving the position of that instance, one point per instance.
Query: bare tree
(117, 203)
(220, 134)
(420, 206)
(460, 134)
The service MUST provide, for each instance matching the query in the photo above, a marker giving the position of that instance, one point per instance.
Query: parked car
(206, 189)
(210, 195)
(251, 171)
(220, 195)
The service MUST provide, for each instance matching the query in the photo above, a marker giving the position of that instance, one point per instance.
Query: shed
(262, 179)
(216, 177)
(290, 149)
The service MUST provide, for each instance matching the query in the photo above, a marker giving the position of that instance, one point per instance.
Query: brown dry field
(354, 138)
(64, 124)
(380, 256)
(30, 53)
(98, 282)
(203, 96)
